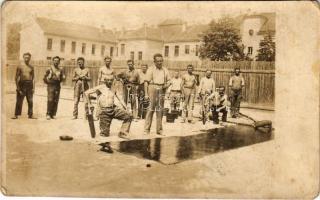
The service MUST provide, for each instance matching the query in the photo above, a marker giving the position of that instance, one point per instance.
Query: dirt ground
(39, 164)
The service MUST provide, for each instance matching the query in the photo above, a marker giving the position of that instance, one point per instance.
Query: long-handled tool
(203, 110)
(89, 112)
(258, 124)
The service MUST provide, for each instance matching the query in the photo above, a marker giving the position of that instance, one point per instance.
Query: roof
(191, 34)
(146, 33)
(269, 23)
(73, 30)
(171, 22)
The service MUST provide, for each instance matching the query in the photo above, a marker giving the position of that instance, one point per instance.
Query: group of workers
(144, 93)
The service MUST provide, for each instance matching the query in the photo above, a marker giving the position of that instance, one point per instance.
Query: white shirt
(207, 85)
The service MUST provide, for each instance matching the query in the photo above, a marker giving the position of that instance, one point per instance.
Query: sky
(129, 15)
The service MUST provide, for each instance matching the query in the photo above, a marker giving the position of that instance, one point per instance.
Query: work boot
(160, 133)
(31, 117)
(146, 132)
(53, 117)
(14, 117)
(123, 135)
(75, 117)
(104, 134)
(48, 117)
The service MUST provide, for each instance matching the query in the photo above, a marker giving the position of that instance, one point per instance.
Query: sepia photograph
(159, 99)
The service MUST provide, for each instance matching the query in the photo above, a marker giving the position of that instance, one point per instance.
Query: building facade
(45, 38)
(253, 29)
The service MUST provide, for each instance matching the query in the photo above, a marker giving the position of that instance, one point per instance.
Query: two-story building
(45, 38)
(139, 44)
(253, 29)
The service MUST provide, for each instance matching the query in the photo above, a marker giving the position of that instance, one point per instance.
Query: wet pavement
(172, 150)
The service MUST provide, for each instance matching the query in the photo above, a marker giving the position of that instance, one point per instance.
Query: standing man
(219, 104)
(105, 71)
(53, 77)
(206, 88)
(155, 86)
(236, 84)
(207, 84)
(189, 82)
(131, 81)
(107, 110)
(175, 91)
(25, 84)
(81, 77)
(142, 103)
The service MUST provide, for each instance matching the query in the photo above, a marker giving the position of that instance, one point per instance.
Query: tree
(267, 48)
(13, 41)
(222, 41)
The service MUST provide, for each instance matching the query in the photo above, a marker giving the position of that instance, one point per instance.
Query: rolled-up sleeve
(149, 76)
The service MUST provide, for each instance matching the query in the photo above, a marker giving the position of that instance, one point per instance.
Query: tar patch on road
(171, 150)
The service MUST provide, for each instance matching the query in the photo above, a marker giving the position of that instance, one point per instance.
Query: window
(73, 47)
(140, 55)
(122, 49)
(250, 50)
(116, 51)
(132, 55)
(176, 50)
(111, 51)
(49, 44)
(93, 49)
(187, 49)
(103, 48)
(83, 49)
(166, 51)
(197, 50)
(62, 45)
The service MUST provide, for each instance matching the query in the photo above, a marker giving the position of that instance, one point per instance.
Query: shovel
(258, 124)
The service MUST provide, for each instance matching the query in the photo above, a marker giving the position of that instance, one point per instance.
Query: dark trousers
(24, 90)
(215, 114)
(108, 114)
(235, 100)
(53, 98)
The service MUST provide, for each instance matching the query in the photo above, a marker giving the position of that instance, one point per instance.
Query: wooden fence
(259, 76)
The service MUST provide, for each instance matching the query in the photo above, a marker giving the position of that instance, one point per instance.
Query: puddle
(171, 150)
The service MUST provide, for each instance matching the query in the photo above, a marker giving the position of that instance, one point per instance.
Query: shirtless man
(25, 83)
(105, 71)
(189, 82)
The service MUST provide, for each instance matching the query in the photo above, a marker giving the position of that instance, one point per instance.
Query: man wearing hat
(107, 110)
(53, 77)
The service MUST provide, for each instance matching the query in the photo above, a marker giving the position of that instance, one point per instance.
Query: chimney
(145, 29)
(102, 29)
(123, 30)
(184, 27)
